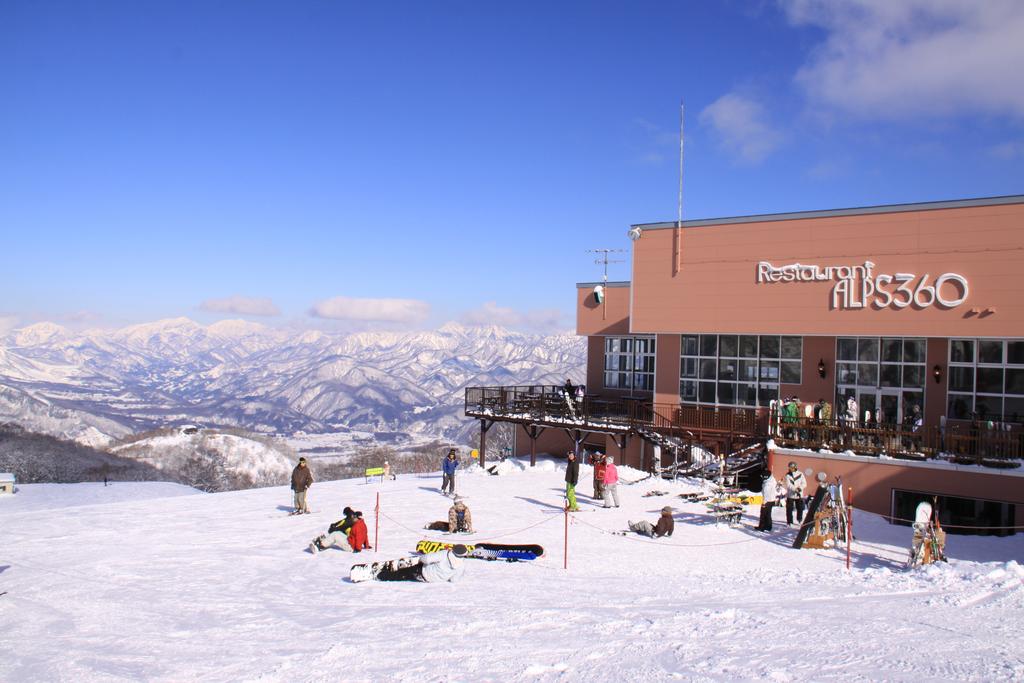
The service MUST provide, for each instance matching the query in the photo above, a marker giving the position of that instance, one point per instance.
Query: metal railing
(964, 444)
(547, 404)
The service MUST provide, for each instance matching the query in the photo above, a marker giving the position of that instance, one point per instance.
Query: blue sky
(353, 165)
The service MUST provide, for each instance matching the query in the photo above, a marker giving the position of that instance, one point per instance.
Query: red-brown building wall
(873, 480)
(716, 289)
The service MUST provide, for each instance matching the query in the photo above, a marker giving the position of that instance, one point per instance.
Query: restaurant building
(915, 311)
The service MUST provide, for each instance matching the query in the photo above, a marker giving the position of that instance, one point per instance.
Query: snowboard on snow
(368, 572)
(486, 551)
(808, 524)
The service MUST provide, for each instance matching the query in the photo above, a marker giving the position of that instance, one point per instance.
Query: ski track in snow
(219, 587)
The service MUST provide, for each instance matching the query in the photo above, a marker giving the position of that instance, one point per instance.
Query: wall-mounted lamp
(821, 368)
(937, 373)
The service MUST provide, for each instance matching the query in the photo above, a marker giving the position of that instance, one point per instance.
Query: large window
(986, 379)
(737, 370)
(885, 375)
(629, 363)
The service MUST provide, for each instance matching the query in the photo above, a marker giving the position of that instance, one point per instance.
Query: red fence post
(565, 555)
(376, 523)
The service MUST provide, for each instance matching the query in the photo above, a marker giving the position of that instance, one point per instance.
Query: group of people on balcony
(792, 419)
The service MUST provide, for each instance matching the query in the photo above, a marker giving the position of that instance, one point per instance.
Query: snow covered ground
(219, 587)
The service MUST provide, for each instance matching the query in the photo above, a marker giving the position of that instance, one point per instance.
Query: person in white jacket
(769, 494)
(796, 482)
(439, 567)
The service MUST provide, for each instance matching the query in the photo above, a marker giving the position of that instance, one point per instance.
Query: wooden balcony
(546, 405)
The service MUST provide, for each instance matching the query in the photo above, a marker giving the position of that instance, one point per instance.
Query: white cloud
(490, 313)
(893, 59)
(240, 305)
(1012, 149)
(408, 311)
(8, 323)
(742, 127)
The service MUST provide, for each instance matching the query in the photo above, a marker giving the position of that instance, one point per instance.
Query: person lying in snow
(663, 527)
(444, 565)
(348, 533)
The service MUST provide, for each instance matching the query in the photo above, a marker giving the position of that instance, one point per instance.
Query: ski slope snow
(219, 587)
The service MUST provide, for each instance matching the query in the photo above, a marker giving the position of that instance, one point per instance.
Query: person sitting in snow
(460, 520)
(357, 535)
(337, 533)
(663, 527)
(444, 565)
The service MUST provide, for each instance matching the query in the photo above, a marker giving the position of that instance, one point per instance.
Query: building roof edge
(829, 213)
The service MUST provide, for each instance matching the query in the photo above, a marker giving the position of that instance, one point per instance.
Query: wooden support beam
(534, 432)
(484, 426)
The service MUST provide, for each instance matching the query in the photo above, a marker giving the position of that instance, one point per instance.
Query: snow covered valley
(138, 582)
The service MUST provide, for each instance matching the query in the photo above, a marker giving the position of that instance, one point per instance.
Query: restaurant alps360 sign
(858, 286)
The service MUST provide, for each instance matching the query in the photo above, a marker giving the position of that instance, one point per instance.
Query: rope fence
(944, 526)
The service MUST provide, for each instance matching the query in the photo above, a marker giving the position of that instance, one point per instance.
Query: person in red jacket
(357, 535)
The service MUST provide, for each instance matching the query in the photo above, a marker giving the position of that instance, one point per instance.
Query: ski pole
(849, 529)
(376, 524)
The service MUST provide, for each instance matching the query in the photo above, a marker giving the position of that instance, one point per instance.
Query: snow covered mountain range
(98, 385)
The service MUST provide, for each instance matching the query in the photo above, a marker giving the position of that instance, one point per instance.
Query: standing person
(337, 533)
(448, 467)
(769, 494)
(572, 477)
(569, 389)
(610, 487)
(663, 527)
(302, 479)
(444, 565)
(796, 482)
(599, 463)
(851, 411)
(459, 518)
(387, 471)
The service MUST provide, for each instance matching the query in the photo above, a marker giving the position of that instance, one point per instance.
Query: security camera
(634, 233)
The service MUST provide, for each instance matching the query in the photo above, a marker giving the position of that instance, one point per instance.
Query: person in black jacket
(572, 477)
(337, 533)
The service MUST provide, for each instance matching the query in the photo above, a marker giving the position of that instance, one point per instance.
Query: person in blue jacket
(448, 467)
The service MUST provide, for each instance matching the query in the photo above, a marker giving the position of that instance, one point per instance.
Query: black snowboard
(808, 523)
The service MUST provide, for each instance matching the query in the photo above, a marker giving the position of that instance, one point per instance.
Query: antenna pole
(604, 260)
(678, 265)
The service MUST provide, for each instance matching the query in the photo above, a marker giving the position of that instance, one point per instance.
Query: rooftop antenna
(678, 241)
(599, 291)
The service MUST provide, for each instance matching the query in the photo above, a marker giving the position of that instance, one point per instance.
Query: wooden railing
(546, 404)
(960, 443)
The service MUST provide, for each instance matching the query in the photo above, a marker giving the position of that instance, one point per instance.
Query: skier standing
(448, 467)
(796, 482)
(769, 494)
(597, 460)
(302, 479)
(459, 518)
(572, 477)
(610, 488)
(663, 527)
